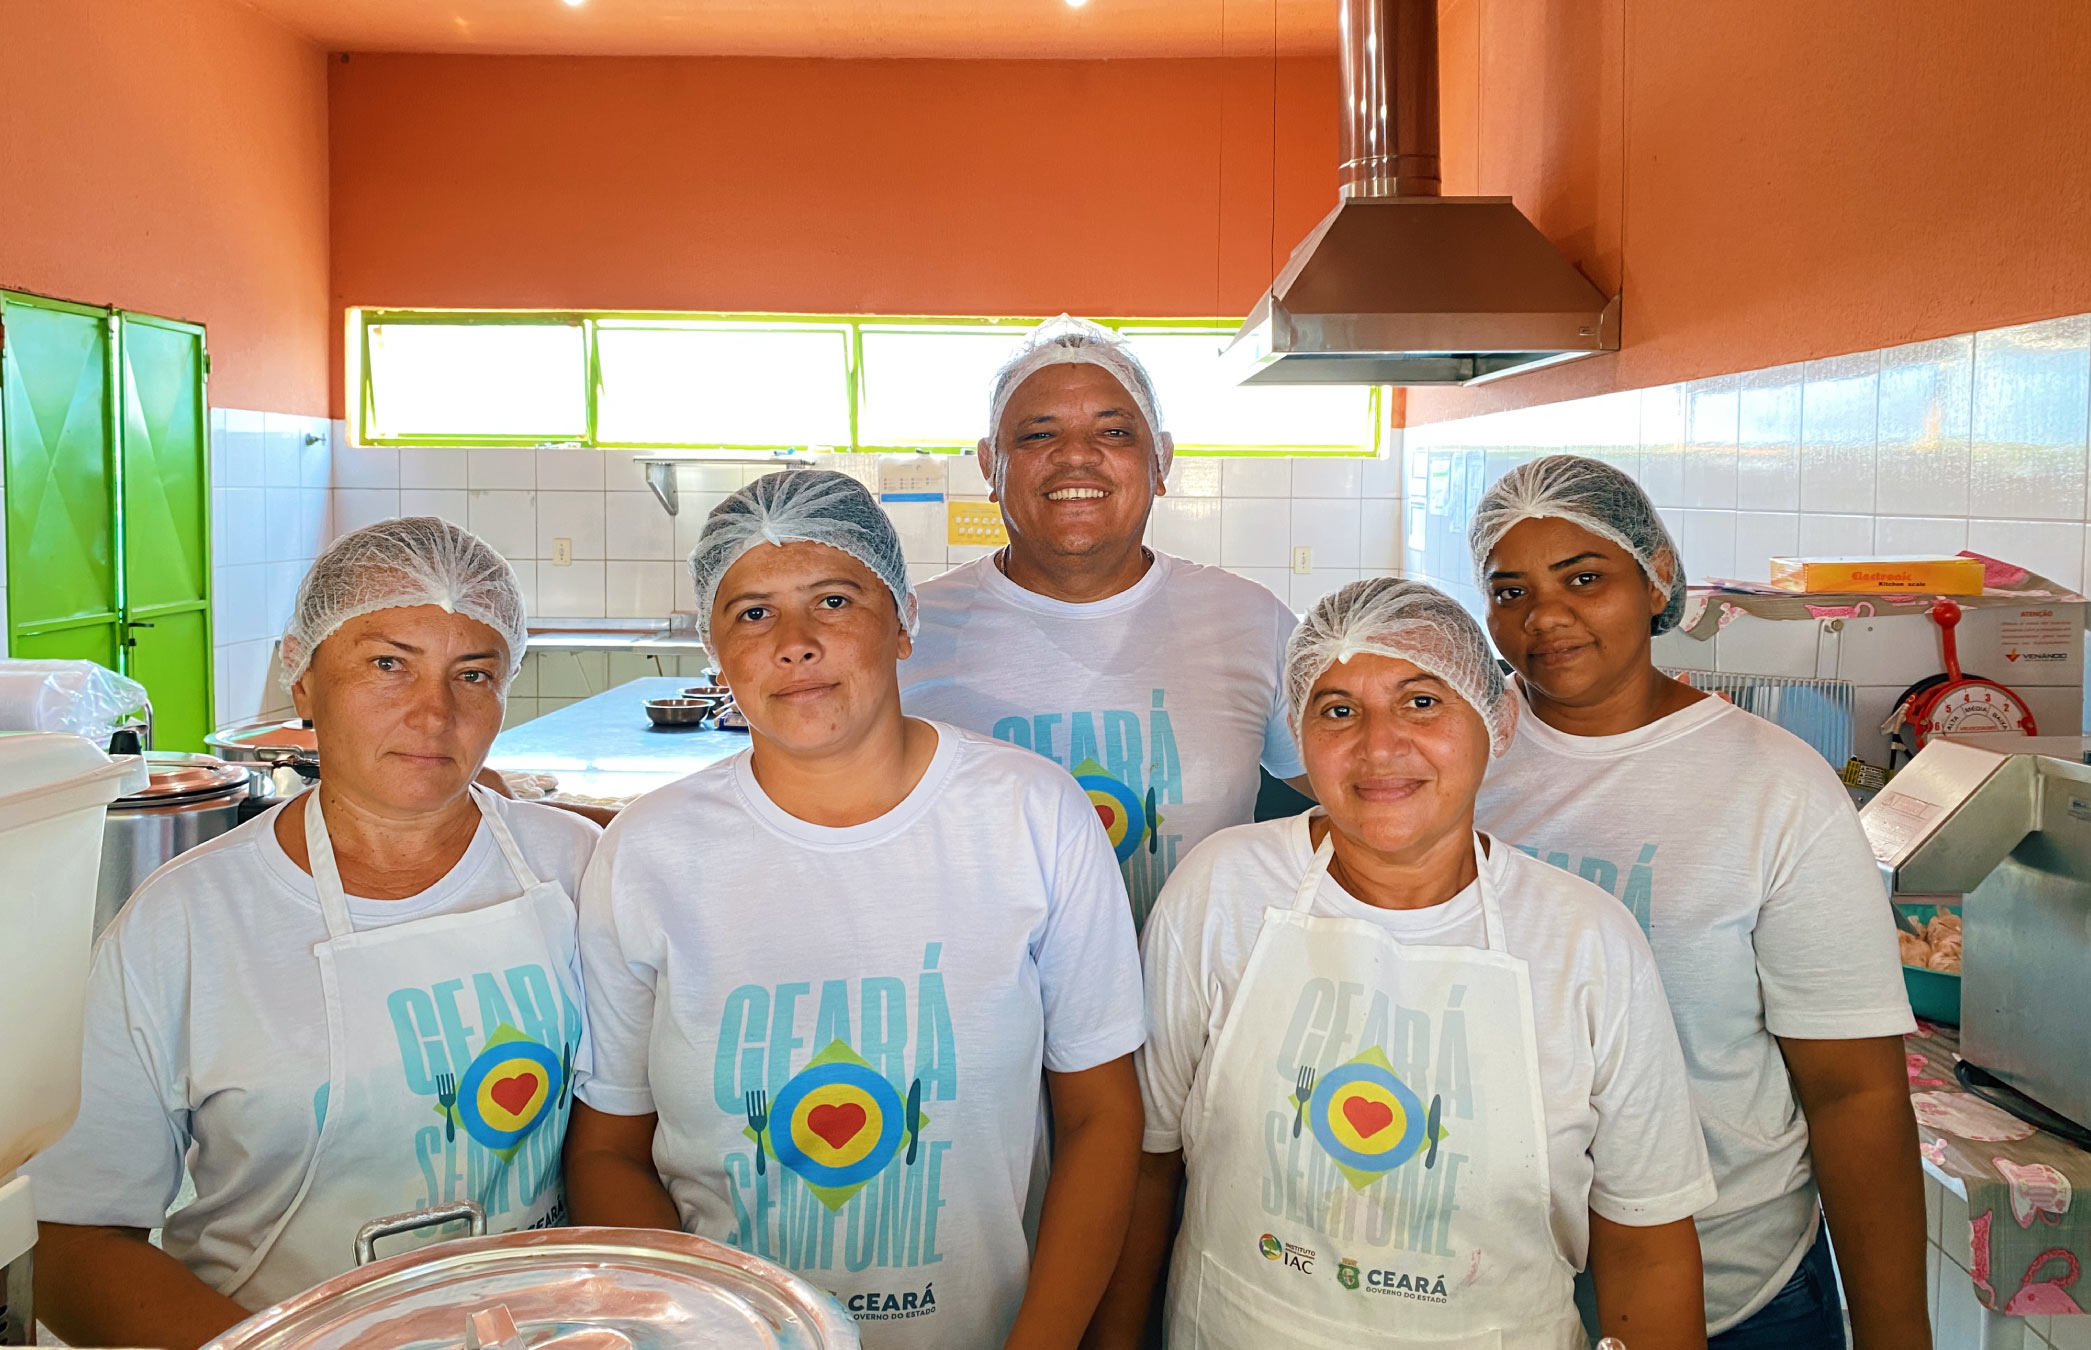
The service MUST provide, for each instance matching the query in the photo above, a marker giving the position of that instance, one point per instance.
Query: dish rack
(1820, 712)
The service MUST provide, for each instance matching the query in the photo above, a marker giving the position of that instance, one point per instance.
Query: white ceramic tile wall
(1979, 441)
(1247, 514)
(271, 513)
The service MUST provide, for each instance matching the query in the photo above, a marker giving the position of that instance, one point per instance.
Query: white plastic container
(54, 791)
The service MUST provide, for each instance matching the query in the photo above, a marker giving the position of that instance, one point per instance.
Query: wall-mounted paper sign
(978, 523)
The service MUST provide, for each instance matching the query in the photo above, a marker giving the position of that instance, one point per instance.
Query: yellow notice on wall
(978, 523)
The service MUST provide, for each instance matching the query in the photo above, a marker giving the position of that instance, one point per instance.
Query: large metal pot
(187, 800)
(552, 1289)
(260, 742)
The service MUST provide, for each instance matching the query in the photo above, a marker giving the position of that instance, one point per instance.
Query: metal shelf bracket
(660, 476)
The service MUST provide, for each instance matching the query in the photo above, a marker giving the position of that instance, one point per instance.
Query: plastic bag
(76, 696)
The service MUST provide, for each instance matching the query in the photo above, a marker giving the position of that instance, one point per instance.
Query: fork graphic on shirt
(758, 1121)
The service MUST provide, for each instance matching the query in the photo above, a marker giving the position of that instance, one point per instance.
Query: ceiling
(817, 28)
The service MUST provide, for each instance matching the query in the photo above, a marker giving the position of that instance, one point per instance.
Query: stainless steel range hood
(1399, 285)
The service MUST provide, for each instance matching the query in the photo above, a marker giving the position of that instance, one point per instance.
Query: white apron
(1323, 1211)
(450, 1047)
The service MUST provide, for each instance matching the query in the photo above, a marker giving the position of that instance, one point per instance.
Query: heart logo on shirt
(1367, 1117)
(514, 1093)
(836, 1124)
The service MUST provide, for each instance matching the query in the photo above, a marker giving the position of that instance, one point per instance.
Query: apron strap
(1492, 933)
(326, 874)
(498, 827)
(1303, 898)
(326, 877)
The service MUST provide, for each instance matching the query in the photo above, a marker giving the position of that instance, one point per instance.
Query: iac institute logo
(1291, 1257)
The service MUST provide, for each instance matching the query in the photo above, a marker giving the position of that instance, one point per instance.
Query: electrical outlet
(1303, 560)
(562, 553)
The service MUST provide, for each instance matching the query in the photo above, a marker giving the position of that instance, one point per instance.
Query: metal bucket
(188, 800)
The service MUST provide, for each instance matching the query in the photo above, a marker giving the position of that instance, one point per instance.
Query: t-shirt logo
(1129, 821)
(841, 1123)
(1126, 760)
(1638, 895)
(828, 1164)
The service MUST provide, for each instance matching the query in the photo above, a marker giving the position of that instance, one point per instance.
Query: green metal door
(166, 525)
(57, 417)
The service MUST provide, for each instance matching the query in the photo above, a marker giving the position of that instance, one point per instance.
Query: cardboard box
(1897, 576)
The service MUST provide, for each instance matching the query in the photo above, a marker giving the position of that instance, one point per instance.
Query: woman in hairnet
(824, 976)
(1736, 849)
(1411, 1077)
(361, 1002)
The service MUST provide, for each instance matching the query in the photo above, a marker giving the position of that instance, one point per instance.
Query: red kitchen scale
(1954, 703)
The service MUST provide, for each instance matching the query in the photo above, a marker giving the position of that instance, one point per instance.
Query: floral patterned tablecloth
(2028, 1242)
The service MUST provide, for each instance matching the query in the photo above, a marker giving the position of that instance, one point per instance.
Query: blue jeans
(1808, 1314)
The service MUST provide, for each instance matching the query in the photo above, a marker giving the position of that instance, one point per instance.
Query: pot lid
(295, 734)
(173, 776)
(556, 1289)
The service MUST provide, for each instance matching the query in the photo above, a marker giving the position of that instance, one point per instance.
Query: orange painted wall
(1777, 180)
(967, 187)
(170, 156)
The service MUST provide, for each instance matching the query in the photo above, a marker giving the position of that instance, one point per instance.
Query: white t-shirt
(207, 1038)
(1621, 1136)
(944, 952)
(1738, 852)
(1162, 699)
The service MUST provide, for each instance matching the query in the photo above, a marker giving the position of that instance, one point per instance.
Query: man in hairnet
(1153, 680)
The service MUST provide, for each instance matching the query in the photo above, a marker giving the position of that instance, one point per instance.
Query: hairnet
(1594, 495)
(814, 506)
(1071, 341)
(415, 560)
(1407, 620)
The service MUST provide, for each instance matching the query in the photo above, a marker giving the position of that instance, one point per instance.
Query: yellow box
(977, 523)
(1902, 576)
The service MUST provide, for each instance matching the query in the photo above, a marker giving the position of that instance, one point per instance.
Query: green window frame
(1371, 443)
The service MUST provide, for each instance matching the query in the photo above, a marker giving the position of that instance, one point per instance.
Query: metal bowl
(678, 712)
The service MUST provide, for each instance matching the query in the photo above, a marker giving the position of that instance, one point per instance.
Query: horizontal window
(721, 385)
(1205, 409)
(850, 382)
(929, 387)
(520, 381)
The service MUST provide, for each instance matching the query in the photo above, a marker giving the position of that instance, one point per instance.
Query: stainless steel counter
(605, 747)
